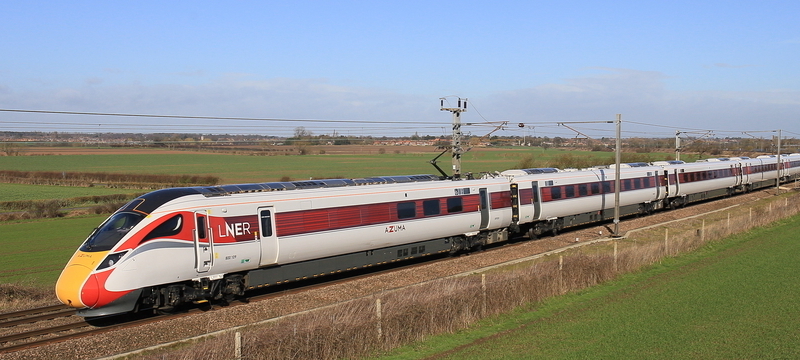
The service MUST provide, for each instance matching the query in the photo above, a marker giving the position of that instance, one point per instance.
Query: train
(185, 245)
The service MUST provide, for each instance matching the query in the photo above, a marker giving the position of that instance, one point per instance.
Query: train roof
(311, 184)
(152, 200)
(668, 162)
(629, 165)
(539, 171)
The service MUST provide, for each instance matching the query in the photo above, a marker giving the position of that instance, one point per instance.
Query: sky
(379, 68)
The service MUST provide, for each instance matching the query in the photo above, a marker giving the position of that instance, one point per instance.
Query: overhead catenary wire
(362, 127)
(196, 117)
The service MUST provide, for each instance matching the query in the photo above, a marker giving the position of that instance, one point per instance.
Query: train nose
(76, 286)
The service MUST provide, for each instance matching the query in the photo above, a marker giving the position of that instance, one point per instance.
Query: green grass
(242, 168)
(732, 299)
(17, 192)
(36, 251)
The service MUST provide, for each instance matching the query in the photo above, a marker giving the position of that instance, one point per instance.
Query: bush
(45, 209)
(525, 163)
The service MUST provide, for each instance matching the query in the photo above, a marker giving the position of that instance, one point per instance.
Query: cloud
(93, 81)
(643, 96)
(235, 95)
(194, 73)
(729, 66)
(640, 96)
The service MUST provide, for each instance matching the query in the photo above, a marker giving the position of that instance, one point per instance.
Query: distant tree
(300, 132)
(10, 149)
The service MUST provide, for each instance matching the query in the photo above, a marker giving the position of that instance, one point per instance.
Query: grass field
(734, 299)
(36, 251)
(243, 169)
(16, 192)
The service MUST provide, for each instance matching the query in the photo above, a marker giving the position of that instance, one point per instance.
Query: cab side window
(170, 227)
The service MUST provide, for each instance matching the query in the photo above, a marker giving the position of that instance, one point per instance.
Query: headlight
(111, 259)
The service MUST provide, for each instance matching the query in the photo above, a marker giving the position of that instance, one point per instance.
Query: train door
(737, 172)
(267, 236)
(484, 208)
(203, 242)
(537, 205)
(783, 171)
(745, 169)
(677, 183)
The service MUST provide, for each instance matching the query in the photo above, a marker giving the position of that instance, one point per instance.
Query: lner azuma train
(195, 244)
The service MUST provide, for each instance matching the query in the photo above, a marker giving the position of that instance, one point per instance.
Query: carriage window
(570, 191)
(406, 210)
(583, 190)
(454, 205)
(595, 188)
(607, 187)
(170, 227)
(430, 207)
(555, 192)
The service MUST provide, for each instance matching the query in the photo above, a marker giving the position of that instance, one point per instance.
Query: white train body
(181, 245)
(251, 230)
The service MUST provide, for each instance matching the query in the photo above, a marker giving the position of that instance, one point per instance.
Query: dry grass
(20, 296)
(130, 181)
(37, 209)
(407, 315)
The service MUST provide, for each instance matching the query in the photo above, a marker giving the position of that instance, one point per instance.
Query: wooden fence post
(560, 273)
(238, 346)
(379, 314)
(703, 231)
(729, 222)
(483, 294)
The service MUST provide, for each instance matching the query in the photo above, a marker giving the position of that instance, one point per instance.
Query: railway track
(34, 327)
(31, 315)
(39, 333)
(21, 326)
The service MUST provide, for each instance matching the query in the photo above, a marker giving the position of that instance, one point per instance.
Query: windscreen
(111, 231)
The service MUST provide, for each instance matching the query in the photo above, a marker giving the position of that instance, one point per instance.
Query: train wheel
(557, 226)
(674, 204)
